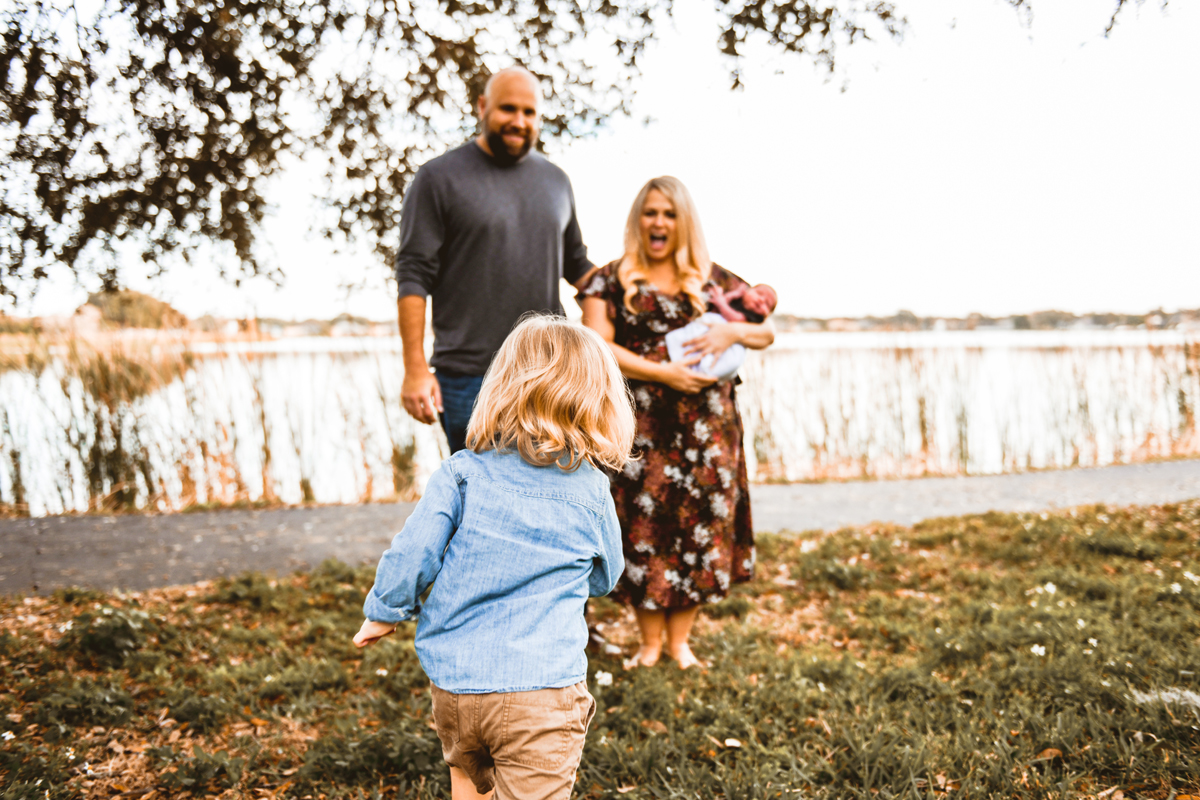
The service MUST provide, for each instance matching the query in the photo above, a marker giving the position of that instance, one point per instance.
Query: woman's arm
(754, 335)
(676, 374)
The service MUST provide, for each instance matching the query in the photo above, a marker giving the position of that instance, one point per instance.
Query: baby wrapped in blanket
(744, 304)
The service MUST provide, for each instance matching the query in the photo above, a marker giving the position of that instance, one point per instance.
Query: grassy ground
(988, 656)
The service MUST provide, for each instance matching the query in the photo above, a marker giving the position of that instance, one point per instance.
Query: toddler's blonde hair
(555, 394)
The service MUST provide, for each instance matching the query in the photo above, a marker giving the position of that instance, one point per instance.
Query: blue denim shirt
(513, 552)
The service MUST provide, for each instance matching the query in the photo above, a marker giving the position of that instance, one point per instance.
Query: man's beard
(500, 154)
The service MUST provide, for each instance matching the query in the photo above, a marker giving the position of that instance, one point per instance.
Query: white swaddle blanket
(725, 367)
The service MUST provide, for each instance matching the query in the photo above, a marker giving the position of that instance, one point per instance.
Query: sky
(978, 165)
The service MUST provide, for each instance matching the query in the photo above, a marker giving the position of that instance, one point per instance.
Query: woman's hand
(680, 376)
(372, 631)
(715, 342)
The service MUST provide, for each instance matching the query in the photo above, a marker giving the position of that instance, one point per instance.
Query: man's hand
(372, 632)
(421, 395)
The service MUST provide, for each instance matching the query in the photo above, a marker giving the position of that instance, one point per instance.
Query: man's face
(510, 117)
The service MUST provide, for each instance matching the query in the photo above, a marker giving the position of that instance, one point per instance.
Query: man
(487, 231)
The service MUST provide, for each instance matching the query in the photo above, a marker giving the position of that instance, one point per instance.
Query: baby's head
(760, 299)
(555, 394)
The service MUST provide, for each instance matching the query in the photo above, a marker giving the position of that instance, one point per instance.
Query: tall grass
(154, 426)
(841, 409)
(149, 424)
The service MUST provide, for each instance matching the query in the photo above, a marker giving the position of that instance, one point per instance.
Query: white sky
(978, 165)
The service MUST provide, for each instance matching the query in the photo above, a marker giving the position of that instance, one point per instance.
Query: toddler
(744, 304)
(514, 534)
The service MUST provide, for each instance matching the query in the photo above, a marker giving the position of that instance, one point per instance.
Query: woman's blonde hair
(692, 264)
(555, 394)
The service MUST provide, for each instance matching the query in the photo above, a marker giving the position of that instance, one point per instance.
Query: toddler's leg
(541, 742)
(463, 788)
(462, 745)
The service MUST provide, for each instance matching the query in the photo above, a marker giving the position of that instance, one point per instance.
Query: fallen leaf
(174, 737)
(116, 747)
(654, 726)
(137, 748)
(291, 771)
(625, 789)
(1049, 753)
(732, 743)
(259, 723)
(614, 709)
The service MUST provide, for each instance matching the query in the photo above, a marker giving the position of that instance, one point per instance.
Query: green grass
(1014, 656)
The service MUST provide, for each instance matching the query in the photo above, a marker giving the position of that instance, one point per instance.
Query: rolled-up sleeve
(610, 563)
(422, 231)
(575, 259)
(413, 561)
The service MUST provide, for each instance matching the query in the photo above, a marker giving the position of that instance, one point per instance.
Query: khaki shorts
(526, 745)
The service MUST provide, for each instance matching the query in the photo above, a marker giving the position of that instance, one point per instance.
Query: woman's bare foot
(685, 658)
(644, 657)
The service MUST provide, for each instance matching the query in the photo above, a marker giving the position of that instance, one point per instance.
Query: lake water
(321, 419)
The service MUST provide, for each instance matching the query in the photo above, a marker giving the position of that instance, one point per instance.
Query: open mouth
(658, 240)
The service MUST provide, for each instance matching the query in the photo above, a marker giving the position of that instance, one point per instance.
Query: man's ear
(481, 107)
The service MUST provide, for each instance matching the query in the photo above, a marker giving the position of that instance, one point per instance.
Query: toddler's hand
(371, 632)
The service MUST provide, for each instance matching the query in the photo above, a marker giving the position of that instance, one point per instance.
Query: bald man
(488, 232)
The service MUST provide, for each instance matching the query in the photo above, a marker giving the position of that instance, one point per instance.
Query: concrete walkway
(139, 552)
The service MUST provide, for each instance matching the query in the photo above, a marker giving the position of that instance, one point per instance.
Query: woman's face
(658, 226)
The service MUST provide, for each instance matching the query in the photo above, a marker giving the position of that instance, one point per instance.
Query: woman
(684, 505)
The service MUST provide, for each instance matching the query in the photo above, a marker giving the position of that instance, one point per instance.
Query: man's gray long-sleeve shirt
(487, 244)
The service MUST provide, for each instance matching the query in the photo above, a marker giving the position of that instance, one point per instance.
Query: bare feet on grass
(685, 658)
(644, 657)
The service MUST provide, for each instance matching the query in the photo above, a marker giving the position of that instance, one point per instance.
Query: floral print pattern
(684, 505)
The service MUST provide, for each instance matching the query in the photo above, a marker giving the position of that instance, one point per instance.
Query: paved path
(138, 552)
(829, 506)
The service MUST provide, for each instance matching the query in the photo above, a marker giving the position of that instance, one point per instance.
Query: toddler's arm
(410, 565)
(607, 568)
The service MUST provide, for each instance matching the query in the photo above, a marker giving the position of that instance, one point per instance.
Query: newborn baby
(744, 304)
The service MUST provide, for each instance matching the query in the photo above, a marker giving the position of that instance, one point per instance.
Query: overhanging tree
(155, 124)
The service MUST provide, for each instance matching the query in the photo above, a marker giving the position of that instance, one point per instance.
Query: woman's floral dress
(684, 506)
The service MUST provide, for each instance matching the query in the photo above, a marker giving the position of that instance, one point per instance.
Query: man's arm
(577, 269)
(583, 282)
(420, 393)
(417, 266)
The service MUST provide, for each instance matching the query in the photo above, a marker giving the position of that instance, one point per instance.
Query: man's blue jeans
(458, 399)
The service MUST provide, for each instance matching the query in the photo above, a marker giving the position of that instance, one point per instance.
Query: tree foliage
(153, 126)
